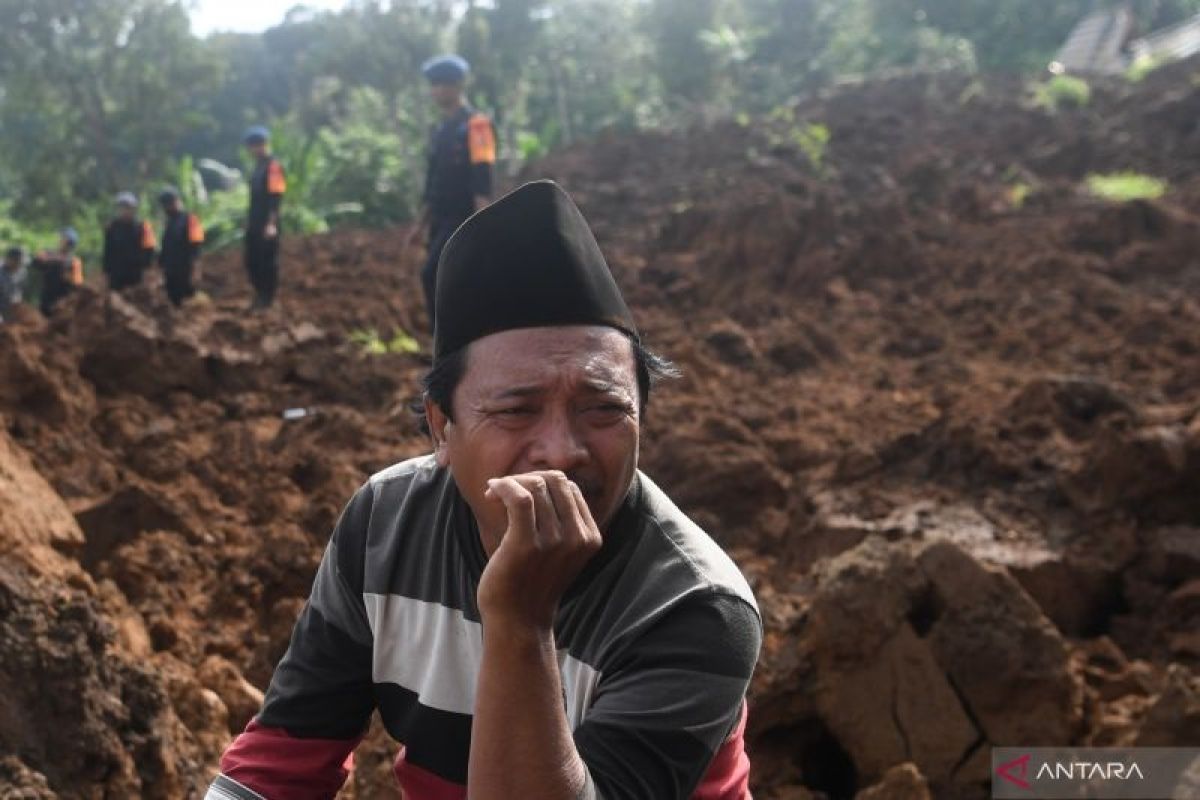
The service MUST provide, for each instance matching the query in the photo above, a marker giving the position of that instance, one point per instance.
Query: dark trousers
(55, 287)
(440, 231)
(125, 277)
(262, 265)
(178, 280)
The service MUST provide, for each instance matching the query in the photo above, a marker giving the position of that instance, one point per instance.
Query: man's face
(543, 399)
(125, 212)
(446, 96)
(12, 263)
(256, 149)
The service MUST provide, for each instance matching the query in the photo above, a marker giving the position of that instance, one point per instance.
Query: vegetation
(375, 345)
(1062, 91)
(100, 97)
(1143, 65)
(1122, 187)
(1018, 193)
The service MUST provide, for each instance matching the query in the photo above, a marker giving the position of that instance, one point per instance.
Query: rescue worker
(182, 239)
(60, 270)
(530, 614)
(12, 281)
(129, 245)
(462, 156)
(267, 187)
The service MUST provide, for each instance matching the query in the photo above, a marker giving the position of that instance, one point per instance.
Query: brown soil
(954, 443)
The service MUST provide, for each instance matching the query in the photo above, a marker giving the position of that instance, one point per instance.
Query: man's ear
(438, 423)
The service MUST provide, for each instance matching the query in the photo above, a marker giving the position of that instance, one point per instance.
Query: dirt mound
(952, 437)
(87, 708)
(908, 685)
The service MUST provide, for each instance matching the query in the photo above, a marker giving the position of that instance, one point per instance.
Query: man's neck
(450, 112)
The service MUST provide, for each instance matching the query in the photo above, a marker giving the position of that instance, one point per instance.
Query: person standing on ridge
(462, 157)
(60, 270)
(182, 238)
(129, 245)
(267, 187)
(12, 280)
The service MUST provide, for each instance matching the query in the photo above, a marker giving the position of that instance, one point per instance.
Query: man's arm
(481, 146)
(321, 695)
(520, 740)
(419, 227)
(107, 255)
(276, 187)
(668, 713)
(149, 244)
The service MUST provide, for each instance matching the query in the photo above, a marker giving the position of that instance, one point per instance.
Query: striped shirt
(657, 640)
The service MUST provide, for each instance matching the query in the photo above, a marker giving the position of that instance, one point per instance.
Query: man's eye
(520, 411)
(609, 409)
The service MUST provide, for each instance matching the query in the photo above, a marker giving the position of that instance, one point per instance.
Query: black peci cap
(529, 260)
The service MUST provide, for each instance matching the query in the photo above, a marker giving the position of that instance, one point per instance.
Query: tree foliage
(96, 97)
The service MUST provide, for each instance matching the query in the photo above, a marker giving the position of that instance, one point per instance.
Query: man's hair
(447, 372)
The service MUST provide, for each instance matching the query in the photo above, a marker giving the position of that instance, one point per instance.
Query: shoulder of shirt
(693, 552)
(389, 487)
(414, 469)
(382, 496)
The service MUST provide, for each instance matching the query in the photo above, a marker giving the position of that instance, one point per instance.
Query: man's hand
(271, 231)
(410, 241)
(550, 537)
(521, 743)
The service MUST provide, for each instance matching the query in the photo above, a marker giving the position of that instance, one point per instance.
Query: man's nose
(558, 445)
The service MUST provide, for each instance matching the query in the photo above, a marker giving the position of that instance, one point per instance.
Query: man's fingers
(549, 531)
(585, 514)
(562, 491)
(519, 502)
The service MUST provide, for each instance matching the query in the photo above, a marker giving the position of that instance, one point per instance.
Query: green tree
(684, 65)
(97, 97)
(592, 69)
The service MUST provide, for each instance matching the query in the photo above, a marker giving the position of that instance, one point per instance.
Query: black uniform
(128, 251)
(60, 274)
(182, 239)
(462, 152)
(267, 186)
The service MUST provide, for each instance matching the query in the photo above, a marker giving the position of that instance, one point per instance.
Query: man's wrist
(516, 635)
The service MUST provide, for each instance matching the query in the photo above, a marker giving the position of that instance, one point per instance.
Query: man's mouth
(592, 490)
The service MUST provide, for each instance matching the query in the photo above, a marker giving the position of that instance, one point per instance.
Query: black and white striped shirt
(657, 641)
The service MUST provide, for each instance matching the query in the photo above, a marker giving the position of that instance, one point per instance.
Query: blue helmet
(257, 134)
(127, 199)
(71, 236)
(446, 69)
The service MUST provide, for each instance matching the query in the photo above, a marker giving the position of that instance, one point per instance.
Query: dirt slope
(954, 442)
